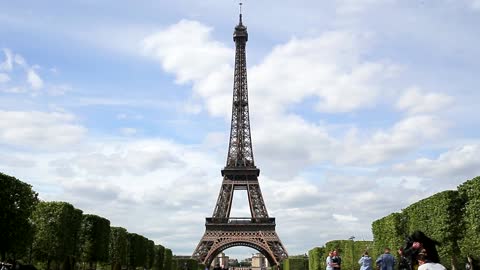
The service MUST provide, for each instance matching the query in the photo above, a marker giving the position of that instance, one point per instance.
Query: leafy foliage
(150, 250)
(296, 263)
(17, 202)
(159, 257)
(440, 217)
(470, 240)
(389, 231)
(316, 258)
(168, 260)
(184, 264)
(350, 251)
(95, 238)
(118, 246)
(450, 217)
(57, 226)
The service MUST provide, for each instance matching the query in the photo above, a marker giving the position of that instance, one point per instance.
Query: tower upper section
(240, 154)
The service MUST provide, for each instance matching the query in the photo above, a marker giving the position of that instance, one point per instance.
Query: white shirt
(431, 266)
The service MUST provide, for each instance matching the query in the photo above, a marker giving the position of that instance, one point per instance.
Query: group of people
(420, 250)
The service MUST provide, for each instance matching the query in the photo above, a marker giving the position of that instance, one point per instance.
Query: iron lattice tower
(240, 173)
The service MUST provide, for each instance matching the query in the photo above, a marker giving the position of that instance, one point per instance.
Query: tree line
(56, 235)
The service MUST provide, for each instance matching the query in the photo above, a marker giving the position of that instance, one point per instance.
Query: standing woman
(365, 262)
(329, 261)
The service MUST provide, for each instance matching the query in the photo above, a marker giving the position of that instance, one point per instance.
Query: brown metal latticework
(240, 173)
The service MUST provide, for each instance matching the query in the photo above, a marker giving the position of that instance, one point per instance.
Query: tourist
(365, 262)
(329, 261)
(336, 260)
(386, 261)
(404, 263)
(424, 262)
(417, 242)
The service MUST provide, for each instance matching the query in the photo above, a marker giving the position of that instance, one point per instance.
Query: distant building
(259, 262)
(233, 262)
(221, 260)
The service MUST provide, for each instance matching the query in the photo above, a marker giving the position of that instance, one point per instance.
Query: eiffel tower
(240, 173)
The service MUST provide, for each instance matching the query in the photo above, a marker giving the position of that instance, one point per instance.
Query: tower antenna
(240, 5)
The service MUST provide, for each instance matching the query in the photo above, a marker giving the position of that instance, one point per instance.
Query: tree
(57, 226)
(316, 258)
(137, 247)
(440, 217)
(17, 202)
(95, 239)
(389, 231)
(150, 250)
(470, 240)
(159, 257)
(118, 247)
(168, 259)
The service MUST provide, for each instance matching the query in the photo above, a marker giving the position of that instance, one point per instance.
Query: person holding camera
(365, 262)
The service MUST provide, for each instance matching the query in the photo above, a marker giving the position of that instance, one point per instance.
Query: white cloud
(328, 67)
(4, 78)
(128, 131)
(344, 218)
(34, 80)
(458, 163)
(403, 137)
(7, 65)
(415, 101)
(187, 50)
(347, 7)
(474, 4)
(39, 129)
(58, 90)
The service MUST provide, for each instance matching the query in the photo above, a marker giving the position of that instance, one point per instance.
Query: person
(424, 262)
(386, 261)
(403, 263)
(336, 260)
(365, 262)
(329, 261)
(418, 241)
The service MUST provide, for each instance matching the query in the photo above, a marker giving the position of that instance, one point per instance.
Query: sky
(358, 108)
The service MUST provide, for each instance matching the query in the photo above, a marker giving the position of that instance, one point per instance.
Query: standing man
(386, 261)
(336, 260)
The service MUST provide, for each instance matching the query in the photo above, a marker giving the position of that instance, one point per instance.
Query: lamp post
(353, 251)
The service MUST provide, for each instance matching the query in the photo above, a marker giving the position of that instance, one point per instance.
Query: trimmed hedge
(470, 194)
(315, 258)
(350, 251)
(167, 263)
(440, 217)
(185, 264)
(450, 217)
(295, 263)
(389, 231)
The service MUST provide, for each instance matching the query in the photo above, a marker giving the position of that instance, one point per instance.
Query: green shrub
(470, 241)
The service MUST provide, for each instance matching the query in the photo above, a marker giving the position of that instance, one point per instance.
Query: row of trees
(451, 217)
(58, 234)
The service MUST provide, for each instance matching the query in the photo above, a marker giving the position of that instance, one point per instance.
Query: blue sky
(123, 109)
